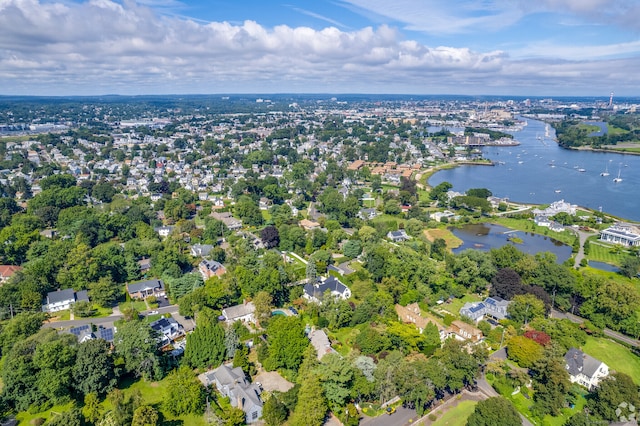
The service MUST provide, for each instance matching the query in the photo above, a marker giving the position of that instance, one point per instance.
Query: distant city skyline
(466, 47)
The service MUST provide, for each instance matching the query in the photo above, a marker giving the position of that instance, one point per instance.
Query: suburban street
(402, 416)
(172, 309)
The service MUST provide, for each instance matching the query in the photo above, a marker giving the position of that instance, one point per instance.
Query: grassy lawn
(454, 307)
(451, 240)
(616, 356)
(266, 215)
(527, 225)
(138, 305)
(26, 418)
(602, 253)
(345, 336)
(457, 416)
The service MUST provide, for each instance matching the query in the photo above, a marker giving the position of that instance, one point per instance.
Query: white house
(625, 234)
(244, 312)
(63, 299)
(398, 236)
(168, 330)
(584, 369)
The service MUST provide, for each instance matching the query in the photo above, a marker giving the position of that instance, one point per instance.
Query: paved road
(607, 332)
(485, 388)
(173, 309)
(582, 236)
(402, 417)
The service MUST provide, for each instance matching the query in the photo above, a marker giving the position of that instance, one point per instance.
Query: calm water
(485, 236)
(603, 266)
(534, 171)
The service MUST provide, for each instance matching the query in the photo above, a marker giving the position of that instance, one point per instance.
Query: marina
(540, 174)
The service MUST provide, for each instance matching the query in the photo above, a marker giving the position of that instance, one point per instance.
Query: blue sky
(503, 47)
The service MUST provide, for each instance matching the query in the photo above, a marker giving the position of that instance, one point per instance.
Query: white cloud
(101, 46)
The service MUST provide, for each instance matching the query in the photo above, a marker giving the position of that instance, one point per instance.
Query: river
(540, 172)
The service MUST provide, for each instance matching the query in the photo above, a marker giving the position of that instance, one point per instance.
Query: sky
(466, 47)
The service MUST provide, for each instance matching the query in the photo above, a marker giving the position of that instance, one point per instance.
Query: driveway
(402, 417)
(272, 381)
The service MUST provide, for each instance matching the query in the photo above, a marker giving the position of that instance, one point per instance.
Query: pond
(603, 266)
(485, 236)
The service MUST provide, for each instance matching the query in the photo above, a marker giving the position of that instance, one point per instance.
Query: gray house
(144, 289)
(491, 307)
(232, 383)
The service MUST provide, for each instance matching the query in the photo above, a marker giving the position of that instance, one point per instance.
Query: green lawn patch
(615, 355)
(603, 252)
(454, 307)
(25, 418)
(138, 305)
(458, 415)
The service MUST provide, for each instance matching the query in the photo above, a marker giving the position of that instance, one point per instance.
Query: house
(230, 222)
(463, 331)
(201, 250)
(211, 268)
(367, 214)
(168, 330)
(232, 383)
(320, 342)
(495, 307)
(309, 225)
(144, 289)
(163, 231)
(244, 312)
(398, 236)
(314, 291)
(7, 271)
(584, 369)
(411, 314)
(85, 332)
(63, 299)
(621, 233)
(438, 216)
(144, 265)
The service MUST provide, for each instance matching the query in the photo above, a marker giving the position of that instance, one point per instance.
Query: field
(603, 253)
(451, 240)
(457, 416)
(616, 356)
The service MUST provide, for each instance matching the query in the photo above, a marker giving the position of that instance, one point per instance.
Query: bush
(433, 417)
(38, 421)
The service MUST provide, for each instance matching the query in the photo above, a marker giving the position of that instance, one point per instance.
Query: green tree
(352, 248)
(526, 307)
(185, 394)
(205, 345)
(336, 375)
(105, 292)
(94, 370)
(248, 211)
(274, 412)
(494, 411)
(524, 351)
(263, 303)
(612, 391)
(312, 406)
(287, 342)
(551, 385)
(136, 342)
(72, 417)
(92, 410)
(145, 415)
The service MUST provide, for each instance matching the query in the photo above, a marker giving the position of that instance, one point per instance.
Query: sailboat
(618, 179)
(606, 171)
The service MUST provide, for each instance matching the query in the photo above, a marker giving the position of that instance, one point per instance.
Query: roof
(577, 362)
(321, 343)
(145, 285)
(61, 296)
(212, 265)
(318, 288)
(8, 270)
(237, 311)
(163, 323)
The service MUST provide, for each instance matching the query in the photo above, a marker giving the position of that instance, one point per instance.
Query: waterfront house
(625, 234)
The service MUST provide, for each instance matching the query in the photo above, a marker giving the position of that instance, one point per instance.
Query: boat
(617, 179)
(558, 191)
(581, 170)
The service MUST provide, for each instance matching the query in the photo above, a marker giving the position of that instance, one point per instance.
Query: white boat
(618, 179)
(581, 170)
(606, 171)
(558, 191)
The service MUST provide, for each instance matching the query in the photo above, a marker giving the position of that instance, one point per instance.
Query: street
(402, 416)
(108, 321)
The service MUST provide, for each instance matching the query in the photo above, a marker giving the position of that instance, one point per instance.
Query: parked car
(153, 313)
(293, 310)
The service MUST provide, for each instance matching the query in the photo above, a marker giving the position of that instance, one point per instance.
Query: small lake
(603, 266)
(485, 236)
